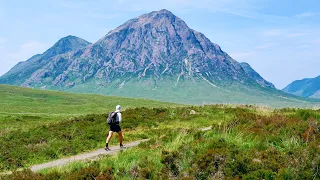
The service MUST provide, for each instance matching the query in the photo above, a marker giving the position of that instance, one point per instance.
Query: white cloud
(274, 32)
(103, 16)
(247, 9)
(293, 35)
(3, 41)
(243, 56)
(290, 33)
(28, 49)
(309, 44)
(72, 4)
(316, 41)
(265, 46)
(235, 7)
(307, 14)
(24, 52)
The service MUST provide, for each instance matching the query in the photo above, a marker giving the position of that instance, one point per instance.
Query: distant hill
(155, 56)
(21, 73)
(309, 87)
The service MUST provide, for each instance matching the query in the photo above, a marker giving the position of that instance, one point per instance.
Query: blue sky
(279, 39)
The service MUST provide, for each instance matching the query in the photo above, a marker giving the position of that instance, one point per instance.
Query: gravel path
(85, 156)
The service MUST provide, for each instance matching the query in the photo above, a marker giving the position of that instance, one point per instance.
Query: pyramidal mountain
(309, 87)
(155, 55)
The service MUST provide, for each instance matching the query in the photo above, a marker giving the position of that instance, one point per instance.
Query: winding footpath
(87, 156)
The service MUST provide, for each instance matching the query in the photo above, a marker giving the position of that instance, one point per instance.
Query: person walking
(115, 127)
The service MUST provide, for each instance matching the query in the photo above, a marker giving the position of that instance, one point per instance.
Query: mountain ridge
(156, 56)
(24, 69)
(307, 87)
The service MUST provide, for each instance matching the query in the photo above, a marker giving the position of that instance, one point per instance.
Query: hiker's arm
(120, 117)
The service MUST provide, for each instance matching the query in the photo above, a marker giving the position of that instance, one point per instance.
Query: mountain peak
(158, 15)
(69, 38)
(157, 49)
(70, 41)
(156, 22)
(163, 11)
(66, 44)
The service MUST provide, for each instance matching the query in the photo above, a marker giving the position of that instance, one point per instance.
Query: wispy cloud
(29, 49)
(103, 16)
(246, 9)
(234, 7)
(309, 44)
(72, 4)
(307, 14)
(293, 35)
(2, 11)
(3, 41)
(274, 32)
(243, 56)
(264, 46)
(316, 41)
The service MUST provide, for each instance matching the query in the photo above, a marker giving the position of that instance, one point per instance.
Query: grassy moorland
(36, 121)
(198, 92)
(244, 143)
(24, 108)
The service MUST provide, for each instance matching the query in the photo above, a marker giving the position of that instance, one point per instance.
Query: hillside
(25, 100)
(309, 87)
(155, 56)
(21, 73)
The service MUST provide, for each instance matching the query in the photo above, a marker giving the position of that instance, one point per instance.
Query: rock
(192, 112)
(255, 160)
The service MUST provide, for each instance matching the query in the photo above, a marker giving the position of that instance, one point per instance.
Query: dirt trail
(87, 156)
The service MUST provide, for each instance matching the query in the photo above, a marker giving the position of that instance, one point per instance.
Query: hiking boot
(122, 147)
(107, 149)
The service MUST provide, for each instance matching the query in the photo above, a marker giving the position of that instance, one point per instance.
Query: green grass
(25, 100)
(244, 142)
(22, 108)
(197, 92)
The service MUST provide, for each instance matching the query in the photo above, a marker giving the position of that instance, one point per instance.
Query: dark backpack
(112, 118)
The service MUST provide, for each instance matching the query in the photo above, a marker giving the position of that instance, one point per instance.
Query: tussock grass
(245, 142)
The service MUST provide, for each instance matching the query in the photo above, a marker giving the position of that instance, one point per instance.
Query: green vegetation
(24, 108)
(245, 142)
(196, 92)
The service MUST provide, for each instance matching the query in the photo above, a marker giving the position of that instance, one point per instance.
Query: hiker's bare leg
(109, 136)
(120, 137)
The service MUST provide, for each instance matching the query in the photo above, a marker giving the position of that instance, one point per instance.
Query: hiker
(115, 127)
